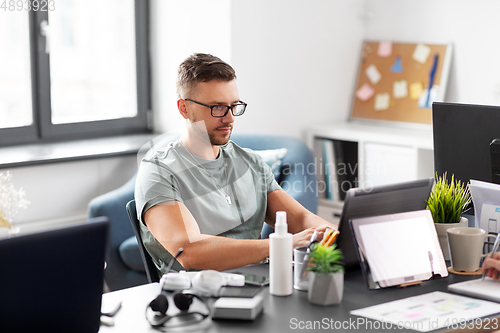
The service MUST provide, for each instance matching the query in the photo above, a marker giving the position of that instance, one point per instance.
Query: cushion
(273, 158)
(131, 257)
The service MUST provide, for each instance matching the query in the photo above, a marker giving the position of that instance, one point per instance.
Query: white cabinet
(384, 154)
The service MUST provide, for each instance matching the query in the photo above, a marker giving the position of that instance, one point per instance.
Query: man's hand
(492, 266)
(302, 238)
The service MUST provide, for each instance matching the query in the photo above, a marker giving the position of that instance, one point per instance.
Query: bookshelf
(383, 155)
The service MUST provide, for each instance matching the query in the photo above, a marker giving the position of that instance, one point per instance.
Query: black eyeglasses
(220, 111)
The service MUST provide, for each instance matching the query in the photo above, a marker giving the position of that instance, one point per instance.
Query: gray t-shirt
(172, 174)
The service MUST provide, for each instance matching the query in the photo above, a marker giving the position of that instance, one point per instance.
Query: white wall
(296, 61)
(472, 28)
(60, 191)
(178, 29)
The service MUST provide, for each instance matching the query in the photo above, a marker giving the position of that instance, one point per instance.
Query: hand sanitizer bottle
(280, 258)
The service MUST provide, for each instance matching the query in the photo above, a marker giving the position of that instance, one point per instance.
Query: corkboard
(406, 108)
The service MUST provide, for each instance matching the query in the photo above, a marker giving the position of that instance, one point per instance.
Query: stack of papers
(429, 312)
(485, 197)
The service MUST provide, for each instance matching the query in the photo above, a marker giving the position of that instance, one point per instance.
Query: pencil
(326, 236)
(332, 238)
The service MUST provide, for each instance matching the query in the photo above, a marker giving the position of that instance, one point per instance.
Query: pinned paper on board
(381, 95)
(397, 67)
(421, 53)
(384, 49)
(382, 101)
(416, 89)
(373, 74)
(365, 92)
(400, 89)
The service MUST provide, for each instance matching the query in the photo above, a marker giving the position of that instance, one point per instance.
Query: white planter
(326, 289)
(441, 232)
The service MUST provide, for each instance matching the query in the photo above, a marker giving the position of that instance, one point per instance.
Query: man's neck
(200, 148)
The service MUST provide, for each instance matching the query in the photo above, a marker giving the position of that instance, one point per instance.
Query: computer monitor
(462, 137)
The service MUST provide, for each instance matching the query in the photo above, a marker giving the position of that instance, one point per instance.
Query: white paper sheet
(483, 193)
(381, 239)
(430, 311)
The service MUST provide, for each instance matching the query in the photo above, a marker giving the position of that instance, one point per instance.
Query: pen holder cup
(466, 247)
(298, 257)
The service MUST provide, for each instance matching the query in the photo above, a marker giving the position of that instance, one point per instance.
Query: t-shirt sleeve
(272, 184)
(266, 171)
(155, 184)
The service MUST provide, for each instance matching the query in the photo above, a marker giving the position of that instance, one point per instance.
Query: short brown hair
(201, 67)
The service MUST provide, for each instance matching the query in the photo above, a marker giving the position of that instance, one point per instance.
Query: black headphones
(156, 312)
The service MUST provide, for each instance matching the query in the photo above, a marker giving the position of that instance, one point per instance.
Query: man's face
(213, 93)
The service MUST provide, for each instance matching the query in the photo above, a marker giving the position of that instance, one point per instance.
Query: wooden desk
(281, 314)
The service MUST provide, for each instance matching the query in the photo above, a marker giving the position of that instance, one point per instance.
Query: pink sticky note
(365, 92)
(384, 49)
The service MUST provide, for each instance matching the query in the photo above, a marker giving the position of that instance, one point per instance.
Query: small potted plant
(326, 277)
(447, 202)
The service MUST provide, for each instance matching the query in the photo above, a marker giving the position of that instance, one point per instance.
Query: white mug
(466, 247)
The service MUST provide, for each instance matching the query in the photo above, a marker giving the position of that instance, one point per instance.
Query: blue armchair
(124, 264)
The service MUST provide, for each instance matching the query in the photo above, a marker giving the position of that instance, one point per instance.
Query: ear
(181, 106)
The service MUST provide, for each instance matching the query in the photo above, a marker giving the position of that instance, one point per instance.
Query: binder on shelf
(320, 167)
(332, 189)
(346, 153)
(336, 167)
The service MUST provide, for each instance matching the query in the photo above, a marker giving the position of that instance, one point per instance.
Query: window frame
(42, 130)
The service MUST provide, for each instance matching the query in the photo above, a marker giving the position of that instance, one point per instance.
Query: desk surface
(281, 314)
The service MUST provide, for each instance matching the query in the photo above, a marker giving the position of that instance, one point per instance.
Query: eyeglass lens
(221, 110)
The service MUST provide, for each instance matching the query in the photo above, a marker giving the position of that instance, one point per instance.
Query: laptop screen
(378, 200)
(53, 281)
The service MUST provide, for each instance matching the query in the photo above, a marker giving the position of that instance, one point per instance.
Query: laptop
(53, 281)
(378, 200)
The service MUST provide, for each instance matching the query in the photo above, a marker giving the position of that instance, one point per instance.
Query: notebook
(53, 281)
(378, 200)
(488, 289)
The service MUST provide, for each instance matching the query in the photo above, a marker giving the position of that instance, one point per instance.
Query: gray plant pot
(443, 239)
(326, 289)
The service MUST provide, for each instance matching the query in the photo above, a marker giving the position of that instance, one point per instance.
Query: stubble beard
(218, 141)
(202, 133)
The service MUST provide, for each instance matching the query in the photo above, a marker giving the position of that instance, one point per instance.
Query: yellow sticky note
(400, 89)
(416, 89)
(382, 101)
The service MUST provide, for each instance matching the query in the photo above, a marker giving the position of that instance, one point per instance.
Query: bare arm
(301, 222)
(174, 227)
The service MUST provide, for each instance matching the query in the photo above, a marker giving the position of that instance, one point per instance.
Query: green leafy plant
(326, 259)
(448, 200)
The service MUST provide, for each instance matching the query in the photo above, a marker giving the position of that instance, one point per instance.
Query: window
(73, 69)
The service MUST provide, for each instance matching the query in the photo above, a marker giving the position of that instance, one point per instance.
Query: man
(206, 194)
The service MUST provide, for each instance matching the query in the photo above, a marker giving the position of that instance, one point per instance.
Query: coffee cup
(466, 247)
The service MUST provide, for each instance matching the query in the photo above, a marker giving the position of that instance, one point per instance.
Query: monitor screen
(462, 137)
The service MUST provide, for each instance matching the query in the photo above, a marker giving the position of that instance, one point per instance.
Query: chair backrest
(151, 271)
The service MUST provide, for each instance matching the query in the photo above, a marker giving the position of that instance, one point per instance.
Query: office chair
(150, 267)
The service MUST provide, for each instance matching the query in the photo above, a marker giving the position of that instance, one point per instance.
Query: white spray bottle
(280, 258)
